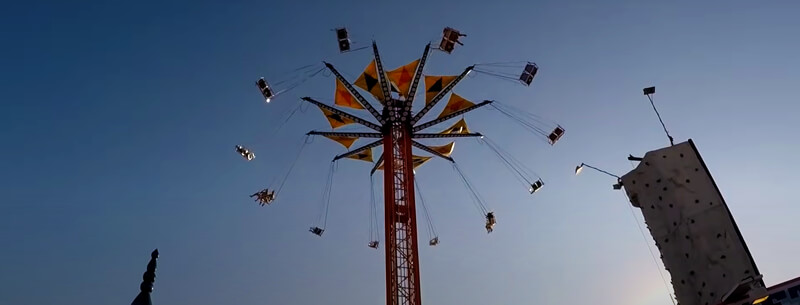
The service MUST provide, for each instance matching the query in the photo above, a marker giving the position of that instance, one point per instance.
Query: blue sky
(119, 121)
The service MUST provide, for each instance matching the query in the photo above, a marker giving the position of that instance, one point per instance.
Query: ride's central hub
(398, 111)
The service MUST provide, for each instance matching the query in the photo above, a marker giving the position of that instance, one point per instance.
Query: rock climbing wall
(699, 241)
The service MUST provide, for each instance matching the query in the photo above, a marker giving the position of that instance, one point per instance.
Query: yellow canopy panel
(456, 103)
(335, 119)
(417, 160)
(402, 77)
(369, 81)
(344, 98)
(435, 84)
(346, 141)
(458, 127)
(365, 155)
(445, 150)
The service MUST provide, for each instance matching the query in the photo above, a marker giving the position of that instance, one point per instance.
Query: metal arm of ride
(346, 134)
(450, 116)
(354, 92)
(358, 150)
(428, 149)
(361, 121)
(440, 95)
(377, 164)
(445, 135)
(381, 75)
(417, 76)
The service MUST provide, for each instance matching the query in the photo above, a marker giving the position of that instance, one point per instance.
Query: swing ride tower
(396, 133)
(398, 130)
(402, 259)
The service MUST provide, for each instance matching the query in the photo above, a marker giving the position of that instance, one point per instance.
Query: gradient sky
(119, 120)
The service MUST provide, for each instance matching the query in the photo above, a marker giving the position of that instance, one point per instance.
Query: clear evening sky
(119, 119)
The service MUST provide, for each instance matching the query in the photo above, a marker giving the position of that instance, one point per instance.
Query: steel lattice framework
(396, 131)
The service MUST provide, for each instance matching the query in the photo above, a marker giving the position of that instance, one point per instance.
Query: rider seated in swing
(450, 39)
(264, 197)
(245, 153)
(434, 241)
(373, 244)
(490, 222)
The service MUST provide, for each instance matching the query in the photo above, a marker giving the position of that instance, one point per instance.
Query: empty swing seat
(529, 73)
(555, 135)
(317, 231)
(536, 186)
(265, 89)
(344, 39)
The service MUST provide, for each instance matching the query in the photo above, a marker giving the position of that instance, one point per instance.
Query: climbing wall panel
(699, 241)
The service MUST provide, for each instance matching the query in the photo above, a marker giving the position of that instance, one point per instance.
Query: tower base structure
(402, 250)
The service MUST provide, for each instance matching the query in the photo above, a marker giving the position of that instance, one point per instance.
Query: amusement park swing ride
(400, 131)
(693, 228)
